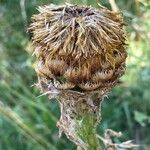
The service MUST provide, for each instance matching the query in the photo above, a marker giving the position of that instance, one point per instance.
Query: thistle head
(78, 48)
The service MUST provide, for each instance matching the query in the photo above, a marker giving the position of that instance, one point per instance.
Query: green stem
(86, 129)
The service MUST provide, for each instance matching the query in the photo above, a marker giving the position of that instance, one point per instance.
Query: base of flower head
(80, 115)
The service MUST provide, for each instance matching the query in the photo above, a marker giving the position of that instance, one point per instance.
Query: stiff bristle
(82, 45)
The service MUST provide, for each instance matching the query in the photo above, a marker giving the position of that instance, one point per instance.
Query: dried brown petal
(82, 44)
(57, 67)
(41, 70)
(76, 74)
(103, 75)
(65, 86)
(89, 86)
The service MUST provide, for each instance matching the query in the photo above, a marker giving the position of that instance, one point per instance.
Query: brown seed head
(79, 47)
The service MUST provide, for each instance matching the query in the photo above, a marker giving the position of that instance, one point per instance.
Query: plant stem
(80, 115)
(86, 129)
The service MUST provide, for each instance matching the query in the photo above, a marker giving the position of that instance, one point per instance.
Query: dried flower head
(81, 55)
(79, 47)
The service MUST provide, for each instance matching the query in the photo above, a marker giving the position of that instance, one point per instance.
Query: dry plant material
(107, 140)
(81, 54)
(84, 46)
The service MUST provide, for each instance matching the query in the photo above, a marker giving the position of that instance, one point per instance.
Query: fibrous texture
(78, 48)
(80, 55)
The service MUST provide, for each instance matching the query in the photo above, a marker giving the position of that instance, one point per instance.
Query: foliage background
(28, 122)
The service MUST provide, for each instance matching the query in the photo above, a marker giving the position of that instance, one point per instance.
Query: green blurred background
(28, 122)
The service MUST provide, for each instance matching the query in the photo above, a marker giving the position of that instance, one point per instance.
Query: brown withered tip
(78, 47)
